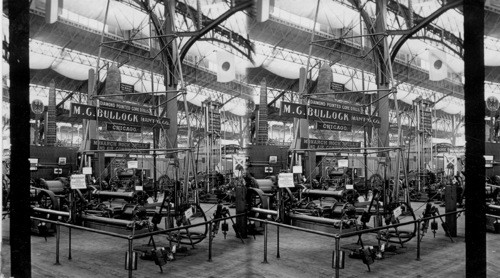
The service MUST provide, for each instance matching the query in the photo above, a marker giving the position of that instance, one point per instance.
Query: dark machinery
(118, 211)
(336, 209)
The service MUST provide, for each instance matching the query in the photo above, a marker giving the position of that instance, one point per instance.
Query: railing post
(58, 238)
(278, 242)
(69, 243)
(337, 255)
(210, 226)
(130, 257)
(418, 239)
(265, 242)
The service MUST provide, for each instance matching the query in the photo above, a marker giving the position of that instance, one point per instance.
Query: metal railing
(130, 238)
(336, 263)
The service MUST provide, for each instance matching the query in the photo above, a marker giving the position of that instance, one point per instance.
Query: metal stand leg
(130, 258)
(265, 243)
(337, 252)
(210, 225)
(58, 238)
(418, 240)
(69, 244)
(278, 242)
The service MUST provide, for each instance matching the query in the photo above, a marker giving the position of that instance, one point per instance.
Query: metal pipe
(351, 37)
(383, 149)
(337, 256)
(210, 227)
(69, 243)
(313, 218)
(295, 228)
(265, 242)
(325, 193)
(112, 221)
(130, 257)
(58, 238)
(278, 242)
(346, 92)
(176, 150)
(81, 228)
(265, 211)
(133, 94)
(418, 240)
(51, 211)
(121, 195)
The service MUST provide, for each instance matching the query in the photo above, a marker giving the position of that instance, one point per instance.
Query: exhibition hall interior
(259, 138)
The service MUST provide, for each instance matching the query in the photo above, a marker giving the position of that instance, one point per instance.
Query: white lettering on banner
(114, 115)
(286, 108)
(299, 110)
(88, 112)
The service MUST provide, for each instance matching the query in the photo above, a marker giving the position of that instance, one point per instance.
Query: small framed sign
(87, 170)
(78, 182)
(297, 169)
(285, 180)
(273, 159)
(61, 161)
(133, 164)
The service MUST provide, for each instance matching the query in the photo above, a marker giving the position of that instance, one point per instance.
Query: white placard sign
(343, 163)
(87, 170)
(133, 164)
(188, 213)
(297, 169)
(139, 188)
(349, 186)
(397, 212)
(78, 182)
(285, 180)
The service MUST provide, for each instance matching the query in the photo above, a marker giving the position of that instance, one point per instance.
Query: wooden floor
(301, 255)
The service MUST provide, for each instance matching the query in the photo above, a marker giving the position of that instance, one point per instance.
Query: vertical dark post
(210, 236)
(169, 61)
(69, 244)
(278, 242)
(18, 53)
(130, 257)
(265, 242)
(383, 74)
(58, 242)
(475, 219)
(241, 221)
(450, 197)
(419, 223)
(336, 255)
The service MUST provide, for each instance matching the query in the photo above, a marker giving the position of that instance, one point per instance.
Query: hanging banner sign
(83, 111)
(336, 105)
(324, 114)
(327, 144)
(123, 128)
(116, 145)
(332, 126)
(125, 106)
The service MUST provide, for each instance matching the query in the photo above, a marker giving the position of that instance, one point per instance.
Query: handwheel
(396, 213)
(46, 200)
(192, 235)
